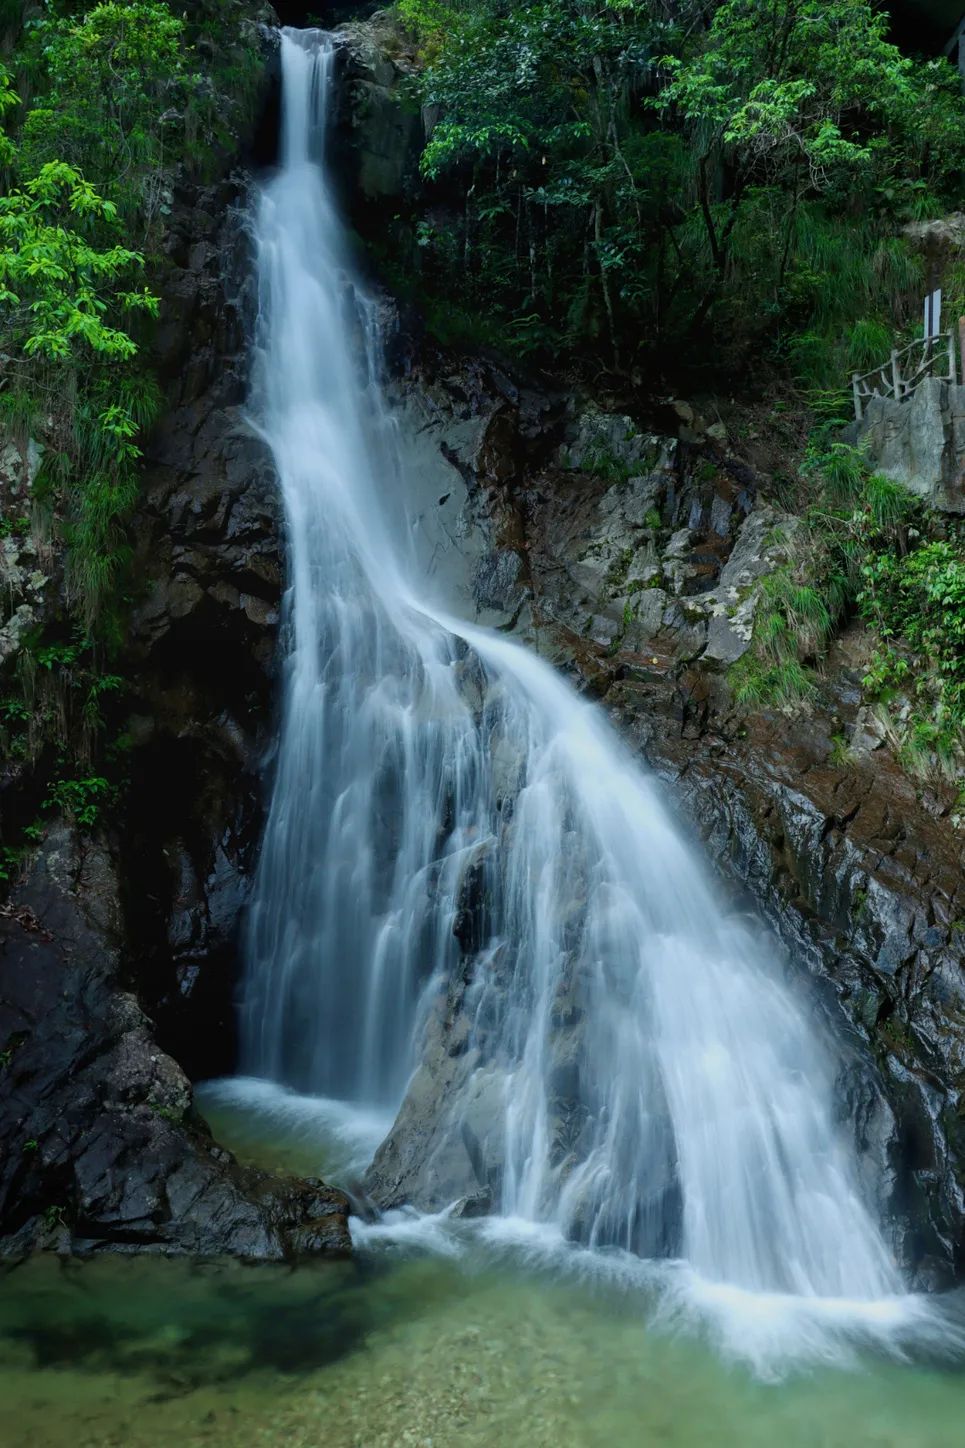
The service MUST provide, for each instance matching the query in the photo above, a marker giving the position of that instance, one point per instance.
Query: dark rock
(478, 1205)
(100, 1143)
(380, 136)
(113, 967)
(203, 647)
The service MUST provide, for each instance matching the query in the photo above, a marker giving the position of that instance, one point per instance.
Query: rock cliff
(119, 949)
(919, 442)
(631, 560)
(101, 1145)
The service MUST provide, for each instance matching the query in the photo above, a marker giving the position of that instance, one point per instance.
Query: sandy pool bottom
(131, 1352)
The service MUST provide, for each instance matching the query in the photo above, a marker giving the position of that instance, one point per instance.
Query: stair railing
(906, 368)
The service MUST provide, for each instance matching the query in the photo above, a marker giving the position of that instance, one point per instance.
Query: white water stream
(416, 748)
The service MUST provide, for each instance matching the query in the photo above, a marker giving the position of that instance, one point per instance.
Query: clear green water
(400, 1349)
(426, 1352)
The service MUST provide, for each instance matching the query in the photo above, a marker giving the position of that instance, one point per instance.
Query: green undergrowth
(916, 606)
(864, 547)
(61, 719)
(104, 108)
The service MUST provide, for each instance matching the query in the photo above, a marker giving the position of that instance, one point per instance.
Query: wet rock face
(378, 138)
(856, 877)
(118, 982)
(634, 563)
(115, 966)
(468, 436)
(655, 549)
(203, 649)
(100, 1146)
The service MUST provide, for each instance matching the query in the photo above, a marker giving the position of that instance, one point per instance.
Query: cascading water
(418, 752)
(374, 732)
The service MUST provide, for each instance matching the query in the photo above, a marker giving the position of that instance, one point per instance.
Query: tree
(788, 94)
(58, 289)
(113, 82)
(632, 174)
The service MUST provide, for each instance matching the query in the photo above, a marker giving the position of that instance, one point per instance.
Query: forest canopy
(643, 177)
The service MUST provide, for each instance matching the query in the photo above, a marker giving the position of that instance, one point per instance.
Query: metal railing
(906, 368)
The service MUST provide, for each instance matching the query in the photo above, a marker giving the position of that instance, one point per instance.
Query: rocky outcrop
(25, 575)
(101, 1147)
(919, 442)
(120, 959)
(203, 648)
(382, 135)
(860, 873)
(633, 561)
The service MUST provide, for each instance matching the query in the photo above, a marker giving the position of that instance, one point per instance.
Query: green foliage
(11, 859)
(62, 720)
(59, 302)
(172, 1114)
(842, 471)
(58, 289)
(81, 800)
(919, 600)
(779, 84)
(8, 99)
(633, 179)
(528, 99)
(103, 81)
(113, 82)
(115, 97)
(863, 548)
(794, 623)
(755, 682)
(63, 694)
(112, 99)
(802, 602)
(429, 20)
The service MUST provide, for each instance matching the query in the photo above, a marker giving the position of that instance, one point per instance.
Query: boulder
(919, 442)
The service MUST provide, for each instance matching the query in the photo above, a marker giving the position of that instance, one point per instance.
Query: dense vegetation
(672, 186)
(102, 104)
(863, 545)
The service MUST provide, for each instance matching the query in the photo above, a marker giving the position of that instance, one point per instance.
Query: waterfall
(423, 761)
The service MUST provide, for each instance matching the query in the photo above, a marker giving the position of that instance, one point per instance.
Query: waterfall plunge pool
(437, 1334)
(404, 1348)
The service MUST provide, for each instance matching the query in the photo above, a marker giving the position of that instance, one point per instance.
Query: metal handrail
(892, 380)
